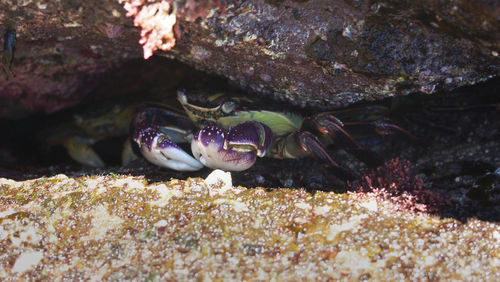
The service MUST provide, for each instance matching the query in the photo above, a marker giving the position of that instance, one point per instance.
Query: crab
(226, 133)
(79, 133)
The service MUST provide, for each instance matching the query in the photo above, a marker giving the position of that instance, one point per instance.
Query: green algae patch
(122, 227)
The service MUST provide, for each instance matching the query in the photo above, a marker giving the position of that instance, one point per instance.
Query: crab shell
(235, 138)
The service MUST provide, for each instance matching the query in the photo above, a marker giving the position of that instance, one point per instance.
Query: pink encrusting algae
(398, 182)
(157, 19)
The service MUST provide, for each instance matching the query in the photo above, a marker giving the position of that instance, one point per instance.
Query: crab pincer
(157, 140)
(157, 148)
(235, 150)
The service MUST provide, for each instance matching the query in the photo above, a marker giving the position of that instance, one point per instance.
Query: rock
(62, 48)
(317, 52)
(120, 227)
(324, 53)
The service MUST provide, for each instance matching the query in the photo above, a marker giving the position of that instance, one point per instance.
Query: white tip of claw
(173, 158)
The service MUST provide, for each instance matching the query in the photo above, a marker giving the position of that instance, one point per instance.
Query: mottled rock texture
(338, 52)
(317, 52)
(122, 228)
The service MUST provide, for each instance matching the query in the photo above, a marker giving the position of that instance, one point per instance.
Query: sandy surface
(122, 227)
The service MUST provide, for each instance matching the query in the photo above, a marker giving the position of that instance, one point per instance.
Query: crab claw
(80, 150)
(235, 150)
(157, 148)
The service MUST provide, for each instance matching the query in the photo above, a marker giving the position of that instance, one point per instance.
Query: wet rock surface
(313, 52)
(62, 48)
(120, 227)
(336, 53)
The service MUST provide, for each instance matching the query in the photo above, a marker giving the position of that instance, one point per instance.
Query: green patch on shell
(280, 123)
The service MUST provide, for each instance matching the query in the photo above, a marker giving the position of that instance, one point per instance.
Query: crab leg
(303, 143)
(128, 154)
(370, 118)
(327, 124)
(381, 127)
(79, 150)
(384, 128)
(156, 139)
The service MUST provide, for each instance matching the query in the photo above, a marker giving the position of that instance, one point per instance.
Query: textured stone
(317, 52)
(119, 227)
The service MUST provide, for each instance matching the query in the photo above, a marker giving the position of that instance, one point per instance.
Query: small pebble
(219, 180)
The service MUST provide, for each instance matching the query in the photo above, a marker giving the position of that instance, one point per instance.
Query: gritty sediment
(120, 227)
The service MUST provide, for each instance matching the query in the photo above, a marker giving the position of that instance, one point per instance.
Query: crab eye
(228, 107)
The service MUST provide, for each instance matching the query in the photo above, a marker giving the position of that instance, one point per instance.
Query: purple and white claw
(236, 150)
(251, 135)
(158, 149)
